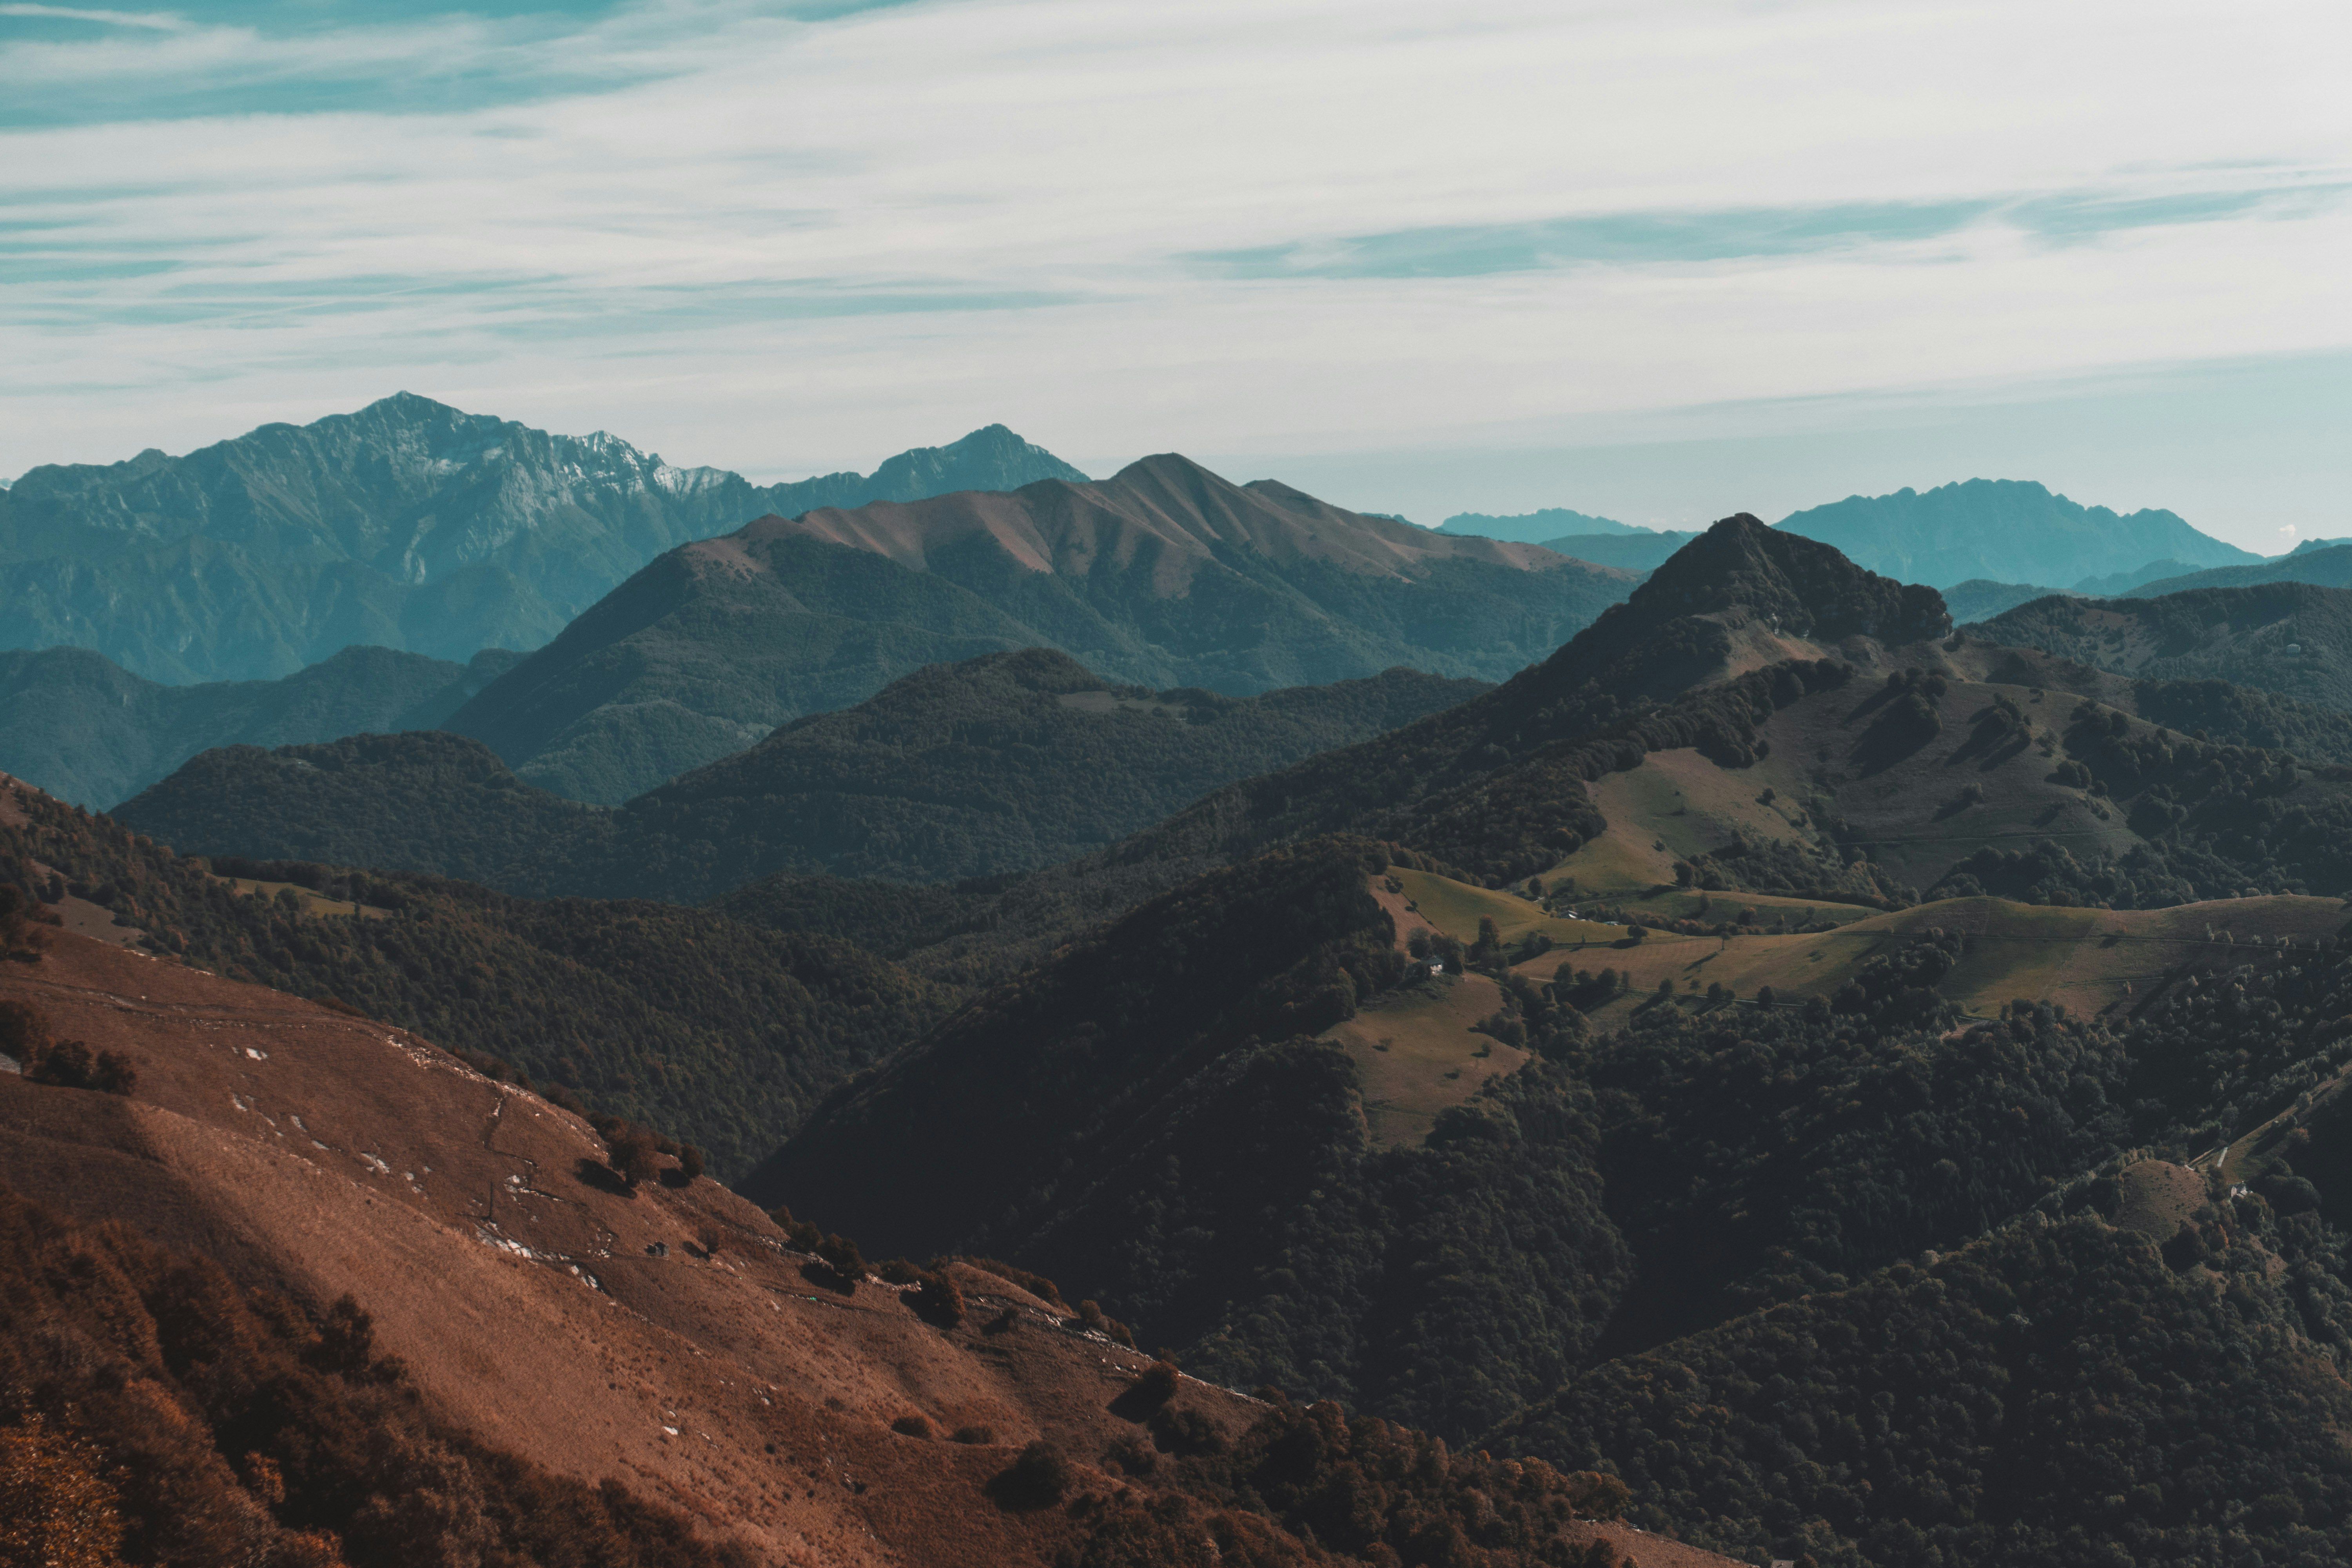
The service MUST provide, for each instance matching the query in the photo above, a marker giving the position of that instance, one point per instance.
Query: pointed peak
(1807, 586)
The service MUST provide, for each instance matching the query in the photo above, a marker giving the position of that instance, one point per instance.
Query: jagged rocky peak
(1805, 587)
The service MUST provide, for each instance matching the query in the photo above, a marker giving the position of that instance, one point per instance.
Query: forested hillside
(721, 1034)
(1004, 764)
(74, 723)
(2291, 638)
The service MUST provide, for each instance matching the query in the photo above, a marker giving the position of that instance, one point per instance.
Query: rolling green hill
(1004, 763)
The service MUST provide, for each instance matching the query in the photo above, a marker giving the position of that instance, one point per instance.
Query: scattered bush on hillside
(67, 1064)
(224, 1427)
(915, 1425)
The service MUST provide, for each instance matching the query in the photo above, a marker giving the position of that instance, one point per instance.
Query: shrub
(1158, 1383)
(21, 918)
(1186, 1432)
(689, 1162)
(938, 1300)
(840, 1254)
(23, 1030)
(915, 1425)
(630, 1150)
(1132, 1455)
(67, 1064)
(1037, 1478)
(979, 1433)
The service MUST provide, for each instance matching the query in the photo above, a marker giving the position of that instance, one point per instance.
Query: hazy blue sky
(1664, 260)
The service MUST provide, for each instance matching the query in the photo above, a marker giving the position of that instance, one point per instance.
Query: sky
(1661, 261)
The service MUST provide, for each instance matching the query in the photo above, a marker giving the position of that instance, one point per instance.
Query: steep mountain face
(78, 725)
(1165, 575)
(409, 524)
(2327, 566)
(2001, 531)
(1630, 552)
(2294, 638)
(1534, 527)
(1004, 764)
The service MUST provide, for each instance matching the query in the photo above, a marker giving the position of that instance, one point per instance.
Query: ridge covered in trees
(1002, 764)
(724, 1034)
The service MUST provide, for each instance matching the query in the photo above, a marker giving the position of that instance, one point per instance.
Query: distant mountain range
(1007, 763)
(1164, 576)
(80, 726)
(408, 524)
(2002, 530)
(1533, 527)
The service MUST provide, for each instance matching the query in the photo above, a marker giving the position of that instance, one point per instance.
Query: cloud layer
(794, 237)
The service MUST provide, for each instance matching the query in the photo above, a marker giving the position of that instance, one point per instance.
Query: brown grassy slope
(1164, 518)
(338, 1155)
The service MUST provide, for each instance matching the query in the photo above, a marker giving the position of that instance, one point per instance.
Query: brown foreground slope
(546, 1310)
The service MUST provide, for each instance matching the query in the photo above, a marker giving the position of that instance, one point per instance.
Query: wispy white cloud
(793, 238)
(154, 21)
